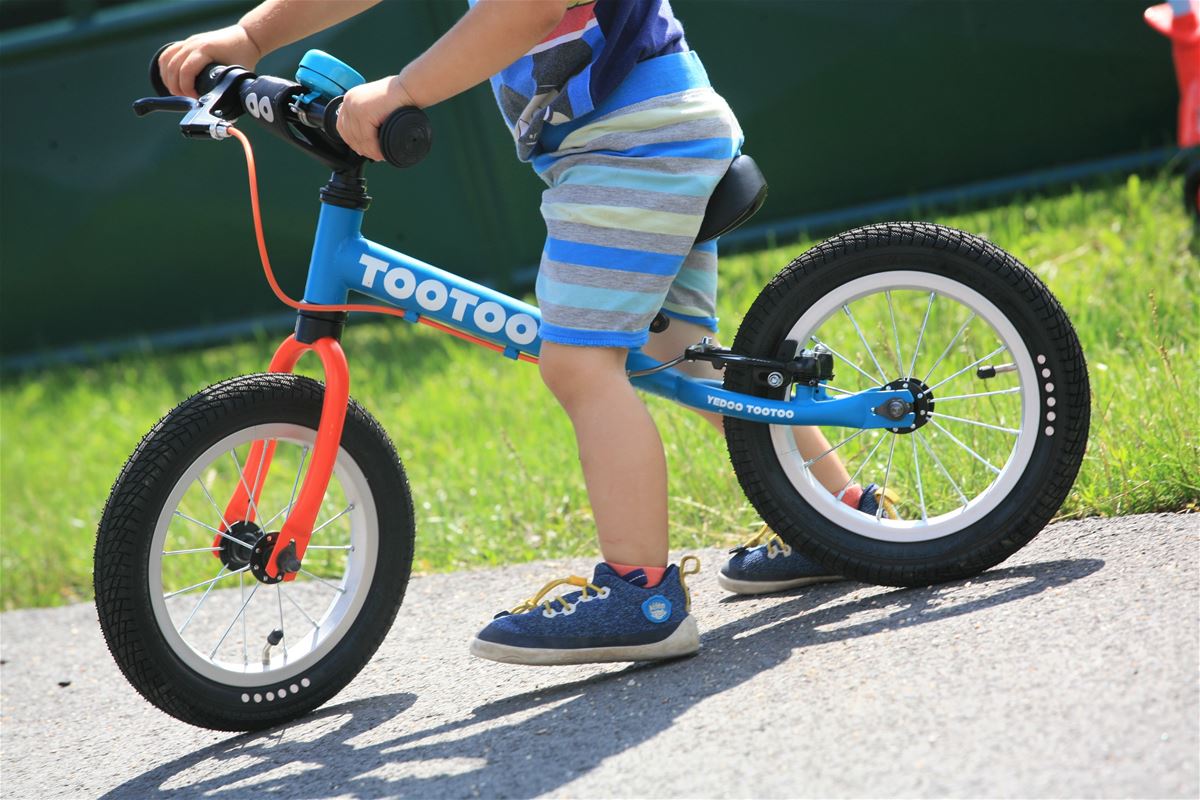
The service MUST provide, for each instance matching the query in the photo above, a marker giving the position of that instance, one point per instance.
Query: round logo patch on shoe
(657, 608)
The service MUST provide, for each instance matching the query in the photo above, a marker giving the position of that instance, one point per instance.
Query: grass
(492, 459)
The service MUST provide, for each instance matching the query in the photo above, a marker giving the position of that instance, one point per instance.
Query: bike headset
(283, 107)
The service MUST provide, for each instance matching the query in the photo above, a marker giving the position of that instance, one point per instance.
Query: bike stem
(297, 528)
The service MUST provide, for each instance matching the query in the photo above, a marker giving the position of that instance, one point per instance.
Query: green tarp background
(112, 226)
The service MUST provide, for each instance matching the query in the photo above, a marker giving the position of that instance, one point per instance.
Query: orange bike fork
(297, 528)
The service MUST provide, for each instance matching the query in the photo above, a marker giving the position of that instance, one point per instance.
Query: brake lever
(178, 105)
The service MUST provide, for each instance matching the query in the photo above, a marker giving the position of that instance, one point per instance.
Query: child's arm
(492, 35)
(267, 27)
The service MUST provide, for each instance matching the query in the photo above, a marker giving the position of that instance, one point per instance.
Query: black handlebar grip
(206, 80)
(156, 80)
(405, 137)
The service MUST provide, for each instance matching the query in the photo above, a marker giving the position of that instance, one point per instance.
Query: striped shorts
(629, 183)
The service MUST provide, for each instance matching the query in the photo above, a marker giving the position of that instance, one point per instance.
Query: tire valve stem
(983, 373)
(273, 638)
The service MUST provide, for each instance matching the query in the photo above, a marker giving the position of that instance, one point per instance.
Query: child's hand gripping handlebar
(226, 92)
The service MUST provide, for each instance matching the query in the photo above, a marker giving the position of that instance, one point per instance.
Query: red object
(299, 523)
(1184, 32)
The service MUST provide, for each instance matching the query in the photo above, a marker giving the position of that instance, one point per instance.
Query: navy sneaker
(609, 618)
(767, 563)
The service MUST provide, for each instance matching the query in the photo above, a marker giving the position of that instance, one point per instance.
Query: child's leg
(811, 442)
(619, 448)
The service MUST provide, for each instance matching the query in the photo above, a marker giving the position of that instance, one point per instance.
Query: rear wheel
(997, 381)
(191, 626)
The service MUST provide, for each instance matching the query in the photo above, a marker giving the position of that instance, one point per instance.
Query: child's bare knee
(573, 373)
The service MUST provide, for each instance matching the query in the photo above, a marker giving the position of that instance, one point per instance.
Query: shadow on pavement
(536, 742)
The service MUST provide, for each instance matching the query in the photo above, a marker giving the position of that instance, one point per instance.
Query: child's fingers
(164, 67)
(362, 139)
(173, 67)
(192, 64)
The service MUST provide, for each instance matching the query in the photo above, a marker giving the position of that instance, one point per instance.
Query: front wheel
(189, 624)
(999, 391)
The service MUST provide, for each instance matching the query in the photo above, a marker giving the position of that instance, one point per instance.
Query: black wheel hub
(237, 543)
(259, 557)
(922, 402)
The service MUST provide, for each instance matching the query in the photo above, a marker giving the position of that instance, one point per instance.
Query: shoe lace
(774, 542)
(688, 565)
(888, 500)
(547, 603)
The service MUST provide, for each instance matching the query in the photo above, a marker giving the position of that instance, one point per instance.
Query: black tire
(1040, 322)
(123, 553)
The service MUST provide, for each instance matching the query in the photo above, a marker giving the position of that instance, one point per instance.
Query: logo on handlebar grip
(433, 295)
(260, 107)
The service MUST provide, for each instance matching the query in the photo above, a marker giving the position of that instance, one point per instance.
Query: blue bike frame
(343, 260)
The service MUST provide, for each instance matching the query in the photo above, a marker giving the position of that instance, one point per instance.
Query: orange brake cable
(300, 306)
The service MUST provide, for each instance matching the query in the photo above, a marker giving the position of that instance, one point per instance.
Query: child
(616, 114)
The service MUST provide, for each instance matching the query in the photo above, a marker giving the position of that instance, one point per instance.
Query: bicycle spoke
(262, 459)
(829, 387)
(233, 621)
(938, 461)
(217, 508)
(920, 488)
(222, 534)
(192, 550)
(324, 524)
(887, 474)
(249, 495)
(946, 352)
(337, 589)
(205, 583)
(1013, 390)
(292, 600)
(975, 363)
(295, 484)
(203, 597)
(245, 652)
(973, 422)
(279, 599)
(955, 439)
(329, 547)
(863, 339)
(851, 437)
(865, 461)
(920, 336)
(896, 333)
(848, 361)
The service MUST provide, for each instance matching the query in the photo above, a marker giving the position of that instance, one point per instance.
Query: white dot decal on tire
(305, 682)
(1049, 387)
(270, 696)
(295, 688)
(245, 698)
(1045, 373)
(1050, 401)
(1049, 430)
(1050, 416)
(282, 693)
(1041, 359)
(257, 697)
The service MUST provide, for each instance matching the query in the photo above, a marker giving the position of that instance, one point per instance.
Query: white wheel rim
(346, 595)
(979, 505)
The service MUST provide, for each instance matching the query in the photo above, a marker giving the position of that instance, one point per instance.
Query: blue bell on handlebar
(326, 77)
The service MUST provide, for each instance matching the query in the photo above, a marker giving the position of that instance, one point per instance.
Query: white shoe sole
(766, 587)
(684, 641)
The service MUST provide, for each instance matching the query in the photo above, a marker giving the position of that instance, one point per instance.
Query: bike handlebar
(405, 137)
